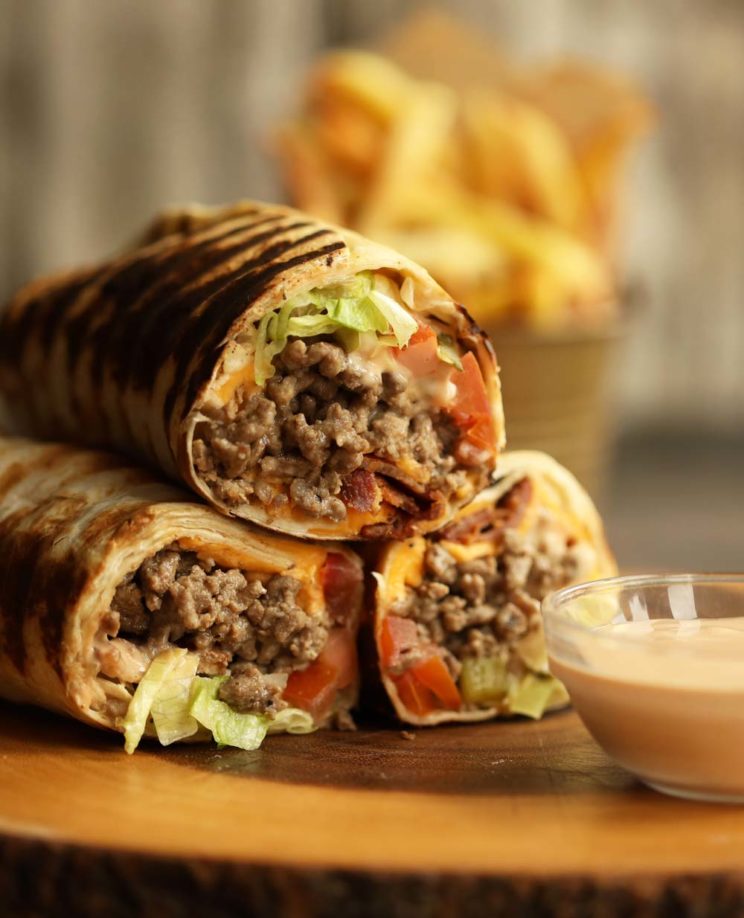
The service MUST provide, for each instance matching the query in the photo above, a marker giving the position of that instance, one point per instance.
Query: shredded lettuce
(559, 696)
(229, 728)
(292, 720)
(532, 695)
(532, 651)
(164, 667)
(448, 352)
(357, 307)
(179, 702)
(402, 324)
(170, 709)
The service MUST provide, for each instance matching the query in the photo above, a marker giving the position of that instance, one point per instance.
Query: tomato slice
(426, 686)
(314, 689)
(471, 409)
(342, 586)
(423, 333)
(340, 653)
(416, 697)
(433, 674)
(397, 635)
(421, 355)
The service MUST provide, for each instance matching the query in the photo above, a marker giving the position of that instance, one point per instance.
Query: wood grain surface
(503, 818)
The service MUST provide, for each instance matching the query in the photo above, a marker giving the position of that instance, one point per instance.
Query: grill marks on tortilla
(200, 317)
(136, 285)
(183, 270)
(157, 298)
(28, 563)
(211, 329)
(167, 307)
(29, 328)
(185, 223)
(40, 576)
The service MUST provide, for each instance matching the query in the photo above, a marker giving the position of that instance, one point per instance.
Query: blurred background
(110, 110)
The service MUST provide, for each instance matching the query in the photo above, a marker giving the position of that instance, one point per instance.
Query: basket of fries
(505, 182)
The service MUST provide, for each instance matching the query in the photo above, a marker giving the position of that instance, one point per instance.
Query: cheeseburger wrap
(457, 627)
(293, 374)
(128, 606)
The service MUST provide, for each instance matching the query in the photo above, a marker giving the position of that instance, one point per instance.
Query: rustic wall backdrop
(110, 108)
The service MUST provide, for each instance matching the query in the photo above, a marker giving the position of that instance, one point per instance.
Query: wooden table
(499, 819)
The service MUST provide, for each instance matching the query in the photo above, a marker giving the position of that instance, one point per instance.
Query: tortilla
(75, 529)
(456, 615)
(156, 353)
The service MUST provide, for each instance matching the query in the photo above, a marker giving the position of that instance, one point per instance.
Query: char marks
(59, 511)
(207, 335)
(104, 341)
(132, 284)
(185, 267)
(168, 331)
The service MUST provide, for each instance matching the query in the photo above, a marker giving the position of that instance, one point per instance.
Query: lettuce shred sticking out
(292, 720)
(170, 709)
(229, 728)
(365, 304)
(532, 695)
(164, 669)
(179, 702)
(448, 352)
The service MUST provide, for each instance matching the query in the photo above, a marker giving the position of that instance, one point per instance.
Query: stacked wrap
(75, 524)
(457, 626)
(146, 352)
(296, 376)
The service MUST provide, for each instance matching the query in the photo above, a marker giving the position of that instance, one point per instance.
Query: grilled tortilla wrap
(457, 625)
(292, 373)
(111, 580)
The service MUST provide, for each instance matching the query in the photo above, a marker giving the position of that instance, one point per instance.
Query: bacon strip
(381, 467)
(360, 490)
(489, 523)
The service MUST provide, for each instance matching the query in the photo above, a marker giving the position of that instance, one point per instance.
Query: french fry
(526, 237)
(601, 116)
(522, 157)
(416, 152)
(306, 173)
(502, 181)
(363, 79)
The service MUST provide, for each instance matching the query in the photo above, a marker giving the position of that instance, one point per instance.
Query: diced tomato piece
(342, 585)
(414, 695)
(421, 355)
(397, 634)
(423, 333)
(433, 673)
(471, 409)
(426, 686)
(340, 653)
(314, 689)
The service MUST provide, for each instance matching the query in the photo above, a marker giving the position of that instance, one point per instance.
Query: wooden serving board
(502, 818)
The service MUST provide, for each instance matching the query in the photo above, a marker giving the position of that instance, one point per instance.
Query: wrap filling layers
(290, 372)
(128, 606)
(265, 641)
(458, 627)
(351, 410)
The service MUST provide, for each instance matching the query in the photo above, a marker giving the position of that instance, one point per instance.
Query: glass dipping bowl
(654, 666)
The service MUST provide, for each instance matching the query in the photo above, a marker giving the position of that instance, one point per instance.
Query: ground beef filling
(247, 627)
(474, 608)
(324, 430)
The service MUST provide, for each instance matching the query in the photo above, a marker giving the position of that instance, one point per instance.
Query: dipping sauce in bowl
(655, 668)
